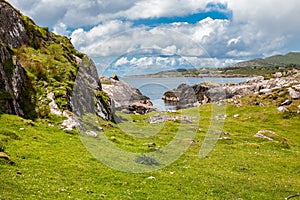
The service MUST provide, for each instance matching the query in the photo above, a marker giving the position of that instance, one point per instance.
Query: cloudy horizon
(142, 36)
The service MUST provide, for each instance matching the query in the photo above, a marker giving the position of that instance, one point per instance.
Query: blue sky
(126, 36)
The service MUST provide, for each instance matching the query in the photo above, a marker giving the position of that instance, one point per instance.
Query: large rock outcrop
(13, 29)
(15, 87)
(126, 98)
(88, 96)
(39, 71)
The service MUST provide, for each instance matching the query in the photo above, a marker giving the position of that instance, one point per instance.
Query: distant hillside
(292, 58)
(264, 67)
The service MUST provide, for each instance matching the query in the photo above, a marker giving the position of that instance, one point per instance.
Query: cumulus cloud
(77, 13)
(61, 29)
(256, 28)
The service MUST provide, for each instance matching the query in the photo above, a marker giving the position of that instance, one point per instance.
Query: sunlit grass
(52, 164)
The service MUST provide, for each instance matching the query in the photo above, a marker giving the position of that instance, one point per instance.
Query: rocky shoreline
(189, 96)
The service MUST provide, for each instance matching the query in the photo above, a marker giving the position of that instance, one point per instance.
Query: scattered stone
(5, 156)
(221, 133)
(292, 196)
(220, 117)
(262, 134)
(296, 87)
(294, 94)
(22, 129)
(70, 124)
(151, 144)
(92, 134)
(51, 125)
(19, 173)
(151, 177)
(189, 141)
(266, 91)
(225, 138)
(277, 75)
(235, 116)
(154, 148)
(282, 109)
(162, 119)
(171, 111)
(286, 103)
(259, 135)
(54, 109)
(113, 138)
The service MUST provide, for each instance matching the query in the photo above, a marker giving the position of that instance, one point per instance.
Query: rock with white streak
(282, 109)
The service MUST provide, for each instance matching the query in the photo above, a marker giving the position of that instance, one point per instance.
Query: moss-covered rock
(35, 62)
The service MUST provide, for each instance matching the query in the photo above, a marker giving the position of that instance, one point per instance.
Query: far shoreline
(190, 76)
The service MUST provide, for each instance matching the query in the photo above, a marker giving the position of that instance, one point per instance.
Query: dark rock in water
(183, 96)
(126, 98)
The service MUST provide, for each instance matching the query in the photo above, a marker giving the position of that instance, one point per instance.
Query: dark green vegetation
(288, 60)
(50, 62)
(48, 163)
(51, 66)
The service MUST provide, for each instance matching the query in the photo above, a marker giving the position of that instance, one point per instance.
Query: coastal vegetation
(256, 155)
(240, 166)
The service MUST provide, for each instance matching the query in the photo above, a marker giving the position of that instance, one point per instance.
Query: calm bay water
(154, 88)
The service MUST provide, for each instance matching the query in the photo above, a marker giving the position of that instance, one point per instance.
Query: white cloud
(61, 29)
(166, 8)
(77, 13)
(257, 28)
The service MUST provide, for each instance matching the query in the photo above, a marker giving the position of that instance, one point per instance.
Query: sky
(147, 36)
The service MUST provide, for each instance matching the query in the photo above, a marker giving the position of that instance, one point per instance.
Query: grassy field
(49, 163)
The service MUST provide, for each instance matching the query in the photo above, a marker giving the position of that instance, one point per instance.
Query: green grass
(56, 165)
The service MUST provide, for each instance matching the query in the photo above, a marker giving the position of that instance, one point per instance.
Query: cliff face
(38, 69)
(13, 78)
(12, 30)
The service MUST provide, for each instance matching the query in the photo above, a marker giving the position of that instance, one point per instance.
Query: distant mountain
(289, 59)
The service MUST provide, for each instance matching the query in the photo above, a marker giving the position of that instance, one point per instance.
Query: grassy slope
(56, 165)
(279, 60)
